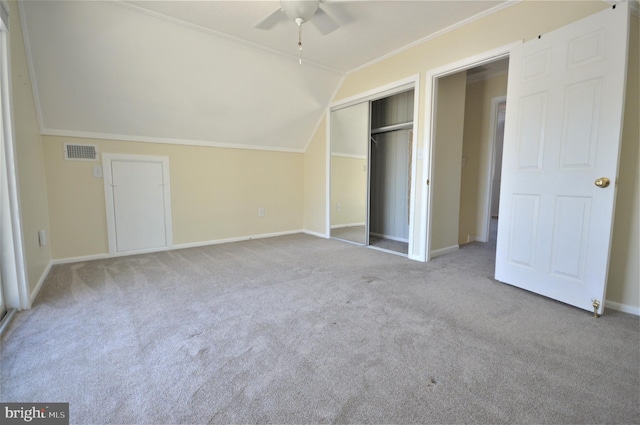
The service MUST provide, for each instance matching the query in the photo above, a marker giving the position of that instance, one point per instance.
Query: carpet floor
(299, 329)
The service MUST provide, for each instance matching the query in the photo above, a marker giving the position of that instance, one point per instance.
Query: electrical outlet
(260, 212)
(339, 207)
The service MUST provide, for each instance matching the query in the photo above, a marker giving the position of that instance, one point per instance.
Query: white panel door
(137, 204)
(562, 133)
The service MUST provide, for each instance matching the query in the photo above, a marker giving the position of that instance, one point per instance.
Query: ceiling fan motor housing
(296, 10)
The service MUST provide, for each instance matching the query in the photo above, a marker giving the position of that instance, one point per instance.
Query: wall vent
(75, 152)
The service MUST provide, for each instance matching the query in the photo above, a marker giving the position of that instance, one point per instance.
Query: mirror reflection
(349, 144)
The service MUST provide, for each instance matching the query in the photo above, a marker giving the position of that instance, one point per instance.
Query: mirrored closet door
(349, 164)
(371, 157)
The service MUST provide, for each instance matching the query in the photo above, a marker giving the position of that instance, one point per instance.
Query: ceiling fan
(301, 11)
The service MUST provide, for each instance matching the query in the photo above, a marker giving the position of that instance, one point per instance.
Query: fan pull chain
(299, 44)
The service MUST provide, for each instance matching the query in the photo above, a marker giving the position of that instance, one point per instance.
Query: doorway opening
(469, 128)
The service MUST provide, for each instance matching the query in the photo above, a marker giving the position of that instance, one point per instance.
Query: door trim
(431, 97)
(14, 268)
(107, 159)
(493, 131)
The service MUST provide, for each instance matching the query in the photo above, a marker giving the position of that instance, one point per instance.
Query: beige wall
(315, 184)
(215, 194)
(524, 21)
(447, 170)
(476, 150)
(29, 157)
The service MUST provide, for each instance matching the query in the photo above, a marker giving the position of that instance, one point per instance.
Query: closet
(371, 156)
(390, 171)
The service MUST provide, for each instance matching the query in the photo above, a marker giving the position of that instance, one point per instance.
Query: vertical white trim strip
(493, 130)
(327, 227)
(13, 261)
(413, 243)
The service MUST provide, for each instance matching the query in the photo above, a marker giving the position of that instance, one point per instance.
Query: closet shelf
(394, 127)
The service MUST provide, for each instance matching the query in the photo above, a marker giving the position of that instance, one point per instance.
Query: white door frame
(14, 269)
(495, 102)
(431, 98)
(107, 158)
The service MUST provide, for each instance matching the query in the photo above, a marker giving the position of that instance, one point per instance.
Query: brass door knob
(603, 182)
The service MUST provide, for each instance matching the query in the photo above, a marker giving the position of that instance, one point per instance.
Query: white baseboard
(625, 308)
(474, 238)
(438, 252)
(36, 290)
(340, 226)
(171, 248)
(237, 239)
(317, 234)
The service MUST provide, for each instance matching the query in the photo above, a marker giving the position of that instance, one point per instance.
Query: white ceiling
(199, 72)
(370, 29)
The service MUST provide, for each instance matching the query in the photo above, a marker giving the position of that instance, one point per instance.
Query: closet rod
(394, 127)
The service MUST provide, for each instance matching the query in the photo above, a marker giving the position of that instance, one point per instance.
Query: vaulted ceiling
(199, 72)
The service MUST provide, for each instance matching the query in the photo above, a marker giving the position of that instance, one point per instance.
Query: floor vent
(80, 152)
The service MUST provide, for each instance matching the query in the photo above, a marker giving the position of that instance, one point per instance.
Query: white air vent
(80, 152)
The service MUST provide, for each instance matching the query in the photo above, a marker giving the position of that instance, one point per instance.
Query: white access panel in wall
(138, 200)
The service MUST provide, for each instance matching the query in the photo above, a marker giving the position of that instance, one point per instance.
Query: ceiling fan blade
(337, 11)
(271, 20)
(324, 23)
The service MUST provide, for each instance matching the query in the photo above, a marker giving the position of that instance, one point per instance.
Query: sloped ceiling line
(32, 76)
(222, 35)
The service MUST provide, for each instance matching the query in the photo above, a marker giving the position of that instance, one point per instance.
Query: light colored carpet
(298, 329)
(388, 244)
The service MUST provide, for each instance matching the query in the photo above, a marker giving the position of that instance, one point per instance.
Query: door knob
(603, 182)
